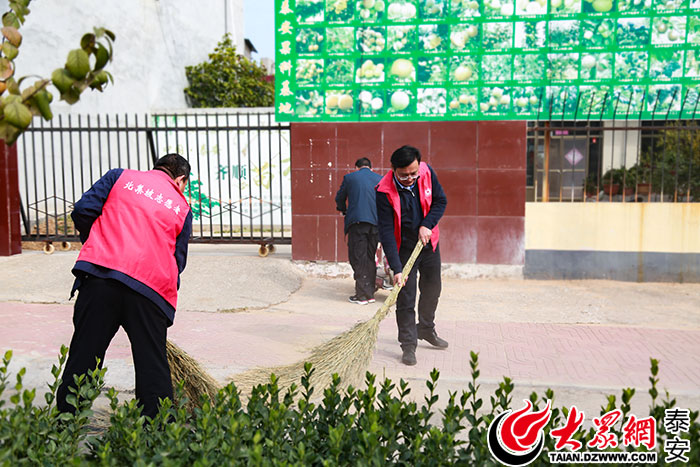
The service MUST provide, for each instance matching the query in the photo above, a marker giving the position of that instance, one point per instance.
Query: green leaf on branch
(20, 9)
(9, 50)
(12, 86)
(34, 89)
(42, 101)
(6, 69)
(10, 19)
(101, 78)
(102, 56)
(8, 133)
(71, 96)
(28, 92)
(87, 43)
(108, 33)
(12, 35)
(78, 63)
(62, 80)
(17, 114)
(21, 102)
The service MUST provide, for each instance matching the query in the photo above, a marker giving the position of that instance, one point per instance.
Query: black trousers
(102, 306)
(427, 266)
(362, 248)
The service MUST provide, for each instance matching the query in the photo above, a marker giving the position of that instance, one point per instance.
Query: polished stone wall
(481, 166)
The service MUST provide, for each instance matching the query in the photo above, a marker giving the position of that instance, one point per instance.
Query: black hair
(363, 162)
(404, 156)
(173, 165)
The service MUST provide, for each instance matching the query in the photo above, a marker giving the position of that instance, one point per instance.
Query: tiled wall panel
(481, 166)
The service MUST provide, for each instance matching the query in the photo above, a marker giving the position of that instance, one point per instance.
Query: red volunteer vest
(425, 192)
(137, 230)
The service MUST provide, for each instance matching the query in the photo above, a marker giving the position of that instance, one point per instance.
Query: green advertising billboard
(381, 60)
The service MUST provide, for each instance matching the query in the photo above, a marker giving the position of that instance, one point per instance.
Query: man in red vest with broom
(135, 227)
(410, 202)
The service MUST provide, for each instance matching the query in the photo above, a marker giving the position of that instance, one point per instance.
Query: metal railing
(239, 189)
(627, 159)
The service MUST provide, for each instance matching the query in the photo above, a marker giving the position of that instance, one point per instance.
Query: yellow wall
(645, 227)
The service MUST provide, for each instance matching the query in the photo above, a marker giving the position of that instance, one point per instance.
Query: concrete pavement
(584, 339)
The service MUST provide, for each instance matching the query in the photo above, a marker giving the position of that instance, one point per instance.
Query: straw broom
(197, 381)
(348, 355)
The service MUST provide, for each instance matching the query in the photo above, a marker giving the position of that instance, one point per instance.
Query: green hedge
(376, 425)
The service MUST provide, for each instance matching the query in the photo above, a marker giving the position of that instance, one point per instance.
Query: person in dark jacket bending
(356, 200)
(410, 202)
(135, 227)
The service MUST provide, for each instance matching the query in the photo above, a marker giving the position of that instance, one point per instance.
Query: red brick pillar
(10, 233)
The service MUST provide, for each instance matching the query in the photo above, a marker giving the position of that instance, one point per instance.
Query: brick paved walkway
(531, 354)
(585, 339)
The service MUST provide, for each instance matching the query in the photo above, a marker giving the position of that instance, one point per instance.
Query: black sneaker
(433, 339)
(409, 357)
(357, 300)
(371, 300)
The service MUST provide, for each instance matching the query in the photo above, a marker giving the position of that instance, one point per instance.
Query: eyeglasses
(405, 178)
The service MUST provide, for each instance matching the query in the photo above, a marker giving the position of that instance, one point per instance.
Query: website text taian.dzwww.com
(603, 457)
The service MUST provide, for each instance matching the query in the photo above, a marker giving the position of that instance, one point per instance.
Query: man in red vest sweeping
(134, 227)
(410, 202)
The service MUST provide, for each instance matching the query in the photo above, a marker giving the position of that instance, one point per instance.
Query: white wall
(156, 39)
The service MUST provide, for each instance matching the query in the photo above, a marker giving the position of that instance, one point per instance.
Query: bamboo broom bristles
(348, 355)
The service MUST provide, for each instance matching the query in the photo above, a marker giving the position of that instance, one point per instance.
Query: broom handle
(391, 299)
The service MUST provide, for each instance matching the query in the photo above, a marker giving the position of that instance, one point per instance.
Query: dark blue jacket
(84, 214)
(358, 189)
